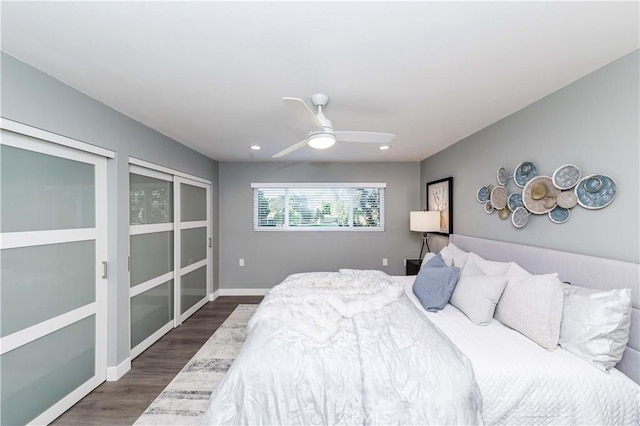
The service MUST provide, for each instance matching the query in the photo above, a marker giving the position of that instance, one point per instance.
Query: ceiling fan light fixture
(322, 140)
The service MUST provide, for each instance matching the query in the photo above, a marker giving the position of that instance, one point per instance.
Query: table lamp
(425, 222)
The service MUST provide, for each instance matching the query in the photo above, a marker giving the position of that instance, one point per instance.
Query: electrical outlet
(241, 262)
(385, 261)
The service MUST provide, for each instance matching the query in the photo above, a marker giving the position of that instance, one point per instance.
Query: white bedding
(522, 383)
(387, 365)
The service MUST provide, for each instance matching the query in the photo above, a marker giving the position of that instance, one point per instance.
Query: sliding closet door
(151, 249)
(193, 246)
(53, 289)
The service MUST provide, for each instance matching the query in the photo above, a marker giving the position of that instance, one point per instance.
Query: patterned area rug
(186, 398)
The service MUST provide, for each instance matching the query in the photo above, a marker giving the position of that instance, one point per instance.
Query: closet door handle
(105, 269)
(209, 242)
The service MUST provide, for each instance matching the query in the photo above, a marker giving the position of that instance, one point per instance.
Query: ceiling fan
(321, 134)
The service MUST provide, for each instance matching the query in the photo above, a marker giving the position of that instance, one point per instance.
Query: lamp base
(424, 242)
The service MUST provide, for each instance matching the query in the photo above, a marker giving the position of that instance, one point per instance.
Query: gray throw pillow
(434, 285)
(435, 262)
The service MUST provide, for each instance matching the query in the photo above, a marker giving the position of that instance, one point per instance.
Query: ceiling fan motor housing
(320, 99)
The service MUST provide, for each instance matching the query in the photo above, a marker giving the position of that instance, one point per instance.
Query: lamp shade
(424, 221)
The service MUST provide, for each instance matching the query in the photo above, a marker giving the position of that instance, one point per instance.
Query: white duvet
(376, 362)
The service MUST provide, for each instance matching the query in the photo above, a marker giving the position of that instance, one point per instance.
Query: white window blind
(318, 206)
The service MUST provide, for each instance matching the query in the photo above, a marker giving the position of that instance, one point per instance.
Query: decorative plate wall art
(553, 196)
(524, 172)
(595, 191)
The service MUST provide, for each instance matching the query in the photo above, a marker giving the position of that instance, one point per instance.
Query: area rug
(185, 399)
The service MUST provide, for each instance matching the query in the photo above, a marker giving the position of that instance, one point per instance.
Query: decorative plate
(488, 207)
(559, 215)
(595, 191)
(546, 202)
(566, 177)
(483, 194)
(501, 176)
(503, 214)
(514, 201)
(520, 217)
(499, 197)
(524, 173)
(567, 200)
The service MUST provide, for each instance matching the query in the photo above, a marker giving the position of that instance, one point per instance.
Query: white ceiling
(211, 74)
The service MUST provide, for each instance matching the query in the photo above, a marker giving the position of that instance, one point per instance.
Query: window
(318, 206)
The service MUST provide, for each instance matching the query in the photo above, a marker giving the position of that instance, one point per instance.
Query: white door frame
(30, 138)
(147, 168)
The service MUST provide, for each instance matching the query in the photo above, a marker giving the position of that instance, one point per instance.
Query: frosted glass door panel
(194, 288)
(193, 204)
(42, 192)
(193, 245)
(42, 282)
(150, 200)
(150, 311)
(151, 256)
(37, 375)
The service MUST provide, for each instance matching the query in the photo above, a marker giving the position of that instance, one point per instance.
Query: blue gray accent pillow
(435, 283)
(435, 262)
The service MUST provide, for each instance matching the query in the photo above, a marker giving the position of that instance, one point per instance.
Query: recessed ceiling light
(383, 147)
(255, 147)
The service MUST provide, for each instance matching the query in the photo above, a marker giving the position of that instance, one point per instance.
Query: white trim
(243, 291)
(102, 283)
(190, 268)
(153, 166)
(38, 238)
(194, 308)
(115, 373)
(29, 334)
(318, 229)
(142, 346)
(148, 285)
(194, 224)
(320, 185)
(34, 132)
(67, 402)
(177, 251)
(137, 170)
(213, 296)
(150, 228)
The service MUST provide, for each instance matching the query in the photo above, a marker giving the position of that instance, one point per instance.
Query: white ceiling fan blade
(291, 149)
(302, 111)
(365, 137)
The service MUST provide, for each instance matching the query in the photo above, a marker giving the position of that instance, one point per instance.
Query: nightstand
(413, 266)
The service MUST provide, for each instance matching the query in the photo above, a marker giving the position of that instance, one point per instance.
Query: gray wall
(271, 256)
(31, 97)
(592, 123)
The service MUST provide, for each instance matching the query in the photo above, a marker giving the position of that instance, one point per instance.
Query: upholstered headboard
(578, 269)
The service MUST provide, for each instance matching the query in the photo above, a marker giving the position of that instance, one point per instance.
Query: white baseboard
(243, 291)
(213, 296)
(115, 373)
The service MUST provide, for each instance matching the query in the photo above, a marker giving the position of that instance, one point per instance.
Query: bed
(396, 363)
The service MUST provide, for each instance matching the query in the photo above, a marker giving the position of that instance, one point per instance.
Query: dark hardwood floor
(122, 402)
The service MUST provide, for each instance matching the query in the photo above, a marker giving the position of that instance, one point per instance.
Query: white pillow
(477, 294)
(516, 273)
(533, 306)
(595, 324)
(453, 256)
(490, 267)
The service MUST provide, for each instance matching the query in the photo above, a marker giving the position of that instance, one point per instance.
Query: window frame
(286, 186)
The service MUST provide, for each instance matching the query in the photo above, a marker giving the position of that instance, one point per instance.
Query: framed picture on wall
(440, 198)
